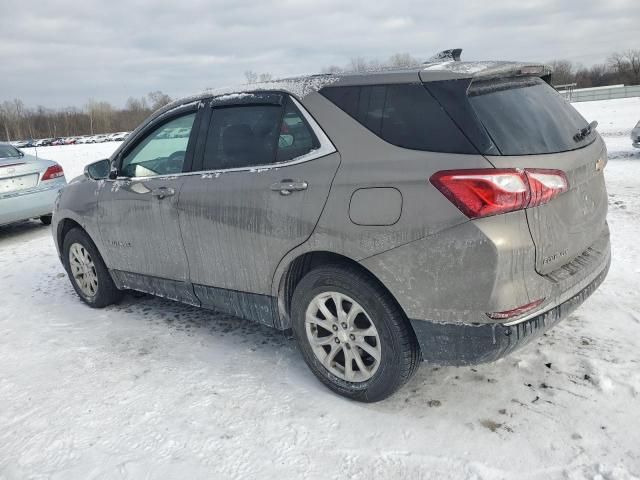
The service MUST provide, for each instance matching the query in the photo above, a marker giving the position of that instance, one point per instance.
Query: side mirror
(98, 170)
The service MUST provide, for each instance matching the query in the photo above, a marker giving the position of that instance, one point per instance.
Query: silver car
(28, 186)
(448, 213)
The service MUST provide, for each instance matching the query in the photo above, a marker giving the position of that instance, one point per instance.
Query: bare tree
(251, 76)
(357, 64)
(627, 65)
(5, 120)
(158, 99)
(265, 77)
(563, 73)
(402, 60)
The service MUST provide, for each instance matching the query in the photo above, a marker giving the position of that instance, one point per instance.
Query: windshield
(9, 151)
(525, 116)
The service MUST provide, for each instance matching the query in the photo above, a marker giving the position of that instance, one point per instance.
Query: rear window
(8, 151)
(525, 116)
(405, 115)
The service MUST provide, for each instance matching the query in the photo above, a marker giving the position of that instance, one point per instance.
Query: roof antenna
(446, 55)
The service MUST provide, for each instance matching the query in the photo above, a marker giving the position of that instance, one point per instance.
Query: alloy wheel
(83, 269)
(343, 337)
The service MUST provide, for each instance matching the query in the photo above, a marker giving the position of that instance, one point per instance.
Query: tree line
(18, 122)
(620, 68)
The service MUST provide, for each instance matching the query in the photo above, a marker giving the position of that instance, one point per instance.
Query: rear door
(534, 127)
(138, 212)
(265, 171)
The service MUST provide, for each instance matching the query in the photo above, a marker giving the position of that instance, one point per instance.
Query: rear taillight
(545, 185)
(485, 192)
(516, 311)
(54, 171)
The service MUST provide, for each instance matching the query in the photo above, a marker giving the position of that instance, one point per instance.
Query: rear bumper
(29, 204)
(465, 344)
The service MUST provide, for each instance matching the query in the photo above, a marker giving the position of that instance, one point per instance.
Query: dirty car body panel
(349, 178)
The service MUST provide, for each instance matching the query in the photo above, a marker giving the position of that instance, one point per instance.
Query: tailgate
(534, 127)
(568, 225)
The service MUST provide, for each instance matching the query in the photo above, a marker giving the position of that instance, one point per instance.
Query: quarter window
(296, 137)
(162, 152)
(405, 115)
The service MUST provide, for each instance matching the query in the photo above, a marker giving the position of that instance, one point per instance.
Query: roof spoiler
(446, 56)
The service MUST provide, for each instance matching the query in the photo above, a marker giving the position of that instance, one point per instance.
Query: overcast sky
(61, 53)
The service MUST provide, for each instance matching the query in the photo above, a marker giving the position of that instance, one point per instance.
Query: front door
(138, 212)
(266, 173)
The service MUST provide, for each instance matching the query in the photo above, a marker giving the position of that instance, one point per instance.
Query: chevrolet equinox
(447, 213)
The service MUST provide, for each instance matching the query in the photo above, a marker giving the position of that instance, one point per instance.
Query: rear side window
(243, 136)
(405, 115)
(8, 151)
(525, 116)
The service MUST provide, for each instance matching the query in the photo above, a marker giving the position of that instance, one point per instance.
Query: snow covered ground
(155, 389)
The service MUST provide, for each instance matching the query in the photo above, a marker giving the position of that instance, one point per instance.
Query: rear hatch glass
(525, 116)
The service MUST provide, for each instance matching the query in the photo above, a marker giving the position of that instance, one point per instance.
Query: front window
(162, 152)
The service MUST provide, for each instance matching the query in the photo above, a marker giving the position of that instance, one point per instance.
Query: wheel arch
(65, 225)
(297, 267)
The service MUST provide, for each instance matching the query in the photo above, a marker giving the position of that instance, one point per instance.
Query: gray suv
(448, 213)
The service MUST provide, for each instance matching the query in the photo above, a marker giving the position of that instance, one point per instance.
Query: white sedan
(28, 186)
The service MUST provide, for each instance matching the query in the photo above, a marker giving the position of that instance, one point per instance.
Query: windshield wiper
(585, 132)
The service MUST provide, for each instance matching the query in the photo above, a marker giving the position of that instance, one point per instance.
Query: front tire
(352, 334)
(87, 272)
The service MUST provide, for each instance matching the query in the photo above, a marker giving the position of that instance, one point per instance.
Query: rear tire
(391, 353)
(45, 219)
(87, 272)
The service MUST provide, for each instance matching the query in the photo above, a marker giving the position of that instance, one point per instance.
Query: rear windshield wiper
(585, 132)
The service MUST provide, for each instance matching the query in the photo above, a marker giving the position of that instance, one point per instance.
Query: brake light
(485, 192)
(54, 171)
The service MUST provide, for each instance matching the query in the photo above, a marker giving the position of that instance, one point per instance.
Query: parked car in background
(451, 213)
(635, 135)
(44, 142)
(23, 143)
(119, 137)
(28, 186)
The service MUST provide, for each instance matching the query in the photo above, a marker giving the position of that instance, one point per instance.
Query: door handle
(162, 192)
(285, 187)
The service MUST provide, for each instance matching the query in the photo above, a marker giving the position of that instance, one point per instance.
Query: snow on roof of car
(299, 87)
(487, 68)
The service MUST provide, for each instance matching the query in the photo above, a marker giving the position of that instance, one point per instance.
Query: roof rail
(446, 55)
